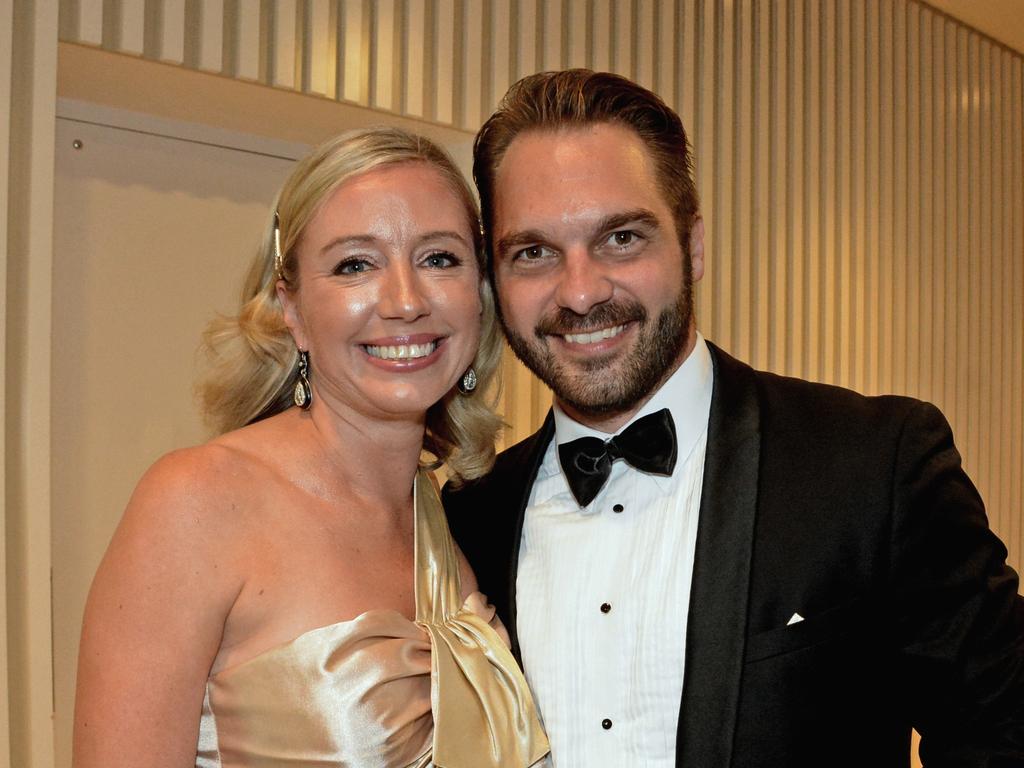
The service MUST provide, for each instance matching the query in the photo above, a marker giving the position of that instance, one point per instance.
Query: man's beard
(602, 387)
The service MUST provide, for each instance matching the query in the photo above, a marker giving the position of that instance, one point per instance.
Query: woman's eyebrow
(440, 234)
(348, 240)
(443, 234)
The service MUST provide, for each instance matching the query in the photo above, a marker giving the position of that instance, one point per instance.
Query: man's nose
(583, 282)
(403, 294)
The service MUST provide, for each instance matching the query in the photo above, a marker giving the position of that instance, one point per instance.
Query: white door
(153, 235)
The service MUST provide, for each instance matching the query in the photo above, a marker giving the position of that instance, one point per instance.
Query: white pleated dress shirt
(603, 591)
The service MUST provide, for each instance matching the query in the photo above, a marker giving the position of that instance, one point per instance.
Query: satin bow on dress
(380, 691)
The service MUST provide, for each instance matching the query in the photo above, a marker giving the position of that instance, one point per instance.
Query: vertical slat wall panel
(385, 55)
(283, 44)
(82, 21)
(1013, 196)
(445, 61)
(319, 54)
(166, 28)
(645, 44)
(666, 50)
(414, 81)
(576, 28)
(354, 55)
(601, 32)
(208, 40)
(526, 37)
(552, 37)
(7, 67)
(472, 63)
(860, 165)
(242, 19)
(501, 51)
(124, 29)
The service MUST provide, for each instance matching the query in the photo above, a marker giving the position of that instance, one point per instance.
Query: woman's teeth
(596, 336)
(400, 351)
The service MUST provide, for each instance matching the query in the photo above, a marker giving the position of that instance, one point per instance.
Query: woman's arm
(154, 621)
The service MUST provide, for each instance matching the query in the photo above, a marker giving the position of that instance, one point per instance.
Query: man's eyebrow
(619, 220)
(515, 239)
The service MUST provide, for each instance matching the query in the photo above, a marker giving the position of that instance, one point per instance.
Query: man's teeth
(401, 351)
(596, 336)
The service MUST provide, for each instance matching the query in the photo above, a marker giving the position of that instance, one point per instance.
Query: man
(754, 570)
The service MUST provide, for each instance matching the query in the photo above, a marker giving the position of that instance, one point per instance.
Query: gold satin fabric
(379, 691)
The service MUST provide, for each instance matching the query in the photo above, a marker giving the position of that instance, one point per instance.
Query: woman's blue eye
(441, 259)
(351, 267)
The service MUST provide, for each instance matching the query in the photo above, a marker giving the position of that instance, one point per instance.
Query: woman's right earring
(303, 394)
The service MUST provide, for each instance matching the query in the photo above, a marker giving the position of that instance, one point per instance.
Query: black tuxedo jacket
(852, 511)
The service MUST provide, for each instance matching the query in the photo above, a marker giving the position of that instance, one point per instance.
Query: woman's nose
(402, 295)
(582, 284)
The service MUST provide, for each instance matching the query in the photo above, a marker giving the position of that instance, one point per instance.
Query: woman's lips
(404, 352)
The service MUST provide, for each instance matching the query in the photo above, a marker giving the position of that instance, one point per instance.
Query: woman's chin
(407, 400)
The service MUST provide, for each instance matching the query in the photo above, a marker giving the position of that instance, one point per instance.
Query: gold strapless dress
(380, 691)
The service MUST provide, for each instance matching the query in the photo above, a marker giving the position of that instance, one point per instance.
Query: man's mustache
(564, 321)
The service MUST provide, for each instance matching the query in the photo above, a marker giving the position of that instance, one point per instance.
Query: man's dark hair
(575, 98)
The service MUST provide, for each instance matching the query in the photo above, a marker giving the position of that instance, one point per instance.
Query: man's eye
(533, 253)
(623, 238)
(352, 267)
(441, 260)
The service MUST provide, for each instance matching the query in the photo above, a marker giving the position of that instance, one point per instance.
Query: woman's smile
(406, 353)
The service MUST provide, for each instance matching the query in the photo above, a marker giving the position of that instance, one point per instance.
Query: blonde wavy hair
(254, 361)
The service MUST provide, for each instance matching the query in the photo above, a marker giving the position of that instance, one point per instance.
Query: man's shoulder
(511, 470)
(802, 405)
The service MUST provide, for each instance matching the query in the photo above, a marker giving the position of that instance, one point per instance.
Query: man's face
(593, 285)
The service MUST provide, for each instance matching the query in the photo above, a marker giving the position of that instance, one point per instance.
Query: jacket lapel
(716, 627)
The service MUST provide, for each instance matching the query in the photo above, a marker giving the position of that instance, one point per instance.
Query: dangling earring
(468, 381)
(303, 394)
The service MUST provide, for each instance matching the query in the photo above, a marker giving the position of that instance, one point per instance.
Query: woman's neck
(374, 457)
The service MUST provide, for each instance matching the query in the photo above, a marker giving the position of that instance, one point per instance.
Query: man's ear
(696, 246)
(292, 315)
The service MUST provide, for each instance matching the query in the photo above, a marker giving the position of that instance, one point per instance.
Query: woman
(288, 593)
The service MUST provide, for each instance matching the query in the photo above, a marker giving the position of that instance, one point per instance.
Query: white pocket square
(796, 618)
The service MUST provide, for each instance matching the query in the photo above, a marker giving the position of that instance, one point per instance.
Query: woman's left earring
(303, 393)
(468, 381)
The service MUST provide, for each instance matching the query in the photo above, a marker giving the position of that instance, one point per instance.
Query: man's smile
(592, 337)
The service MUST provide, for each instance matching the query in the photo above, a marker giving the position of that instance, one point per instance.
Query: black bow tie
(649, 444)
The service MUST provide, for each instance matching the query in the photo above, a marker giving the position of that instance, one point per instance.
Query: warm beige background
(860, 165)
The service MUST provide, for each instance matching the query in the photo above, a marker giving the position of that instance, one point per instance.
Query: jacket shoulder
(500, 489)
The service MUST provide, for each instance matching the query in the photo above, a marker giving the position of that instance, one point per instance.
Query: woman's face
(387, 300)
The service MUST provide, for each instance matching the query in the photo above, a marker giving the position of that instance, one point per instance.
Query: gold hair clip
(278, 258)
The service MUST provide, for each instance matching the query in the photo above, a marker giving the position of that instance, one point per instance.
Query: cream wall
(860, 165)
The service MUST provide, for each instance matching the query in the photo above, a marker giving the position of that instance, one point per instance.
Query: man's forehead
(572, 145)
(578, 174)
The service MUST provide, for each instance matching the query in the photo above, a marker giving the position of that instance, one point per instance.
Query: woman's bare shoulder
(205, 490)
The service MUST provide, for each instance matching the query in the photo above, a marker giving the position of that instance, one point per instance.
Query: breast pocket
(814, 630)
